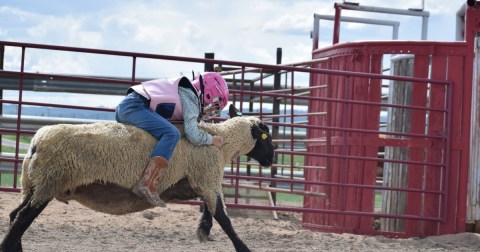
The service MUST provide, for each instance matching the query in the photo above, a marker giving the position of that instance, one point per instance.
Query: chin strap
(201, 95)
(202, 89)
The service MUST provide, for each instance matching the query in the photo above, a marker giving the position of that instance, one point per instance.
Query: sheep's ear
(233, 112)
(258, 133)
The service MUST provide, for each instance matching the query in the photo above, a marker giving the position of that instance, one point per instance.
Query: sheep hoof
(203, 237)
(63, 201)
(147, 215)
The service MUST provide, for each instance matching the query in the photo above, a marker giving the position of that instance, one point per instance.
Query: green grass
(6, 180)
(378, 202)
(12, 150)
(23, 139)
(281, 197)
(285, 159)
(292, 198)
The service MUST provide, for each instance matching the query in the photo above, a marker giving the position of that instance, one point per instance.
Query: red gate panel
(435, 145)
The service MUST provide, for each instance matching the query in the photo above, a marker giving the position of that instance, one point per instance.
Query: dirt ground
(73, 227)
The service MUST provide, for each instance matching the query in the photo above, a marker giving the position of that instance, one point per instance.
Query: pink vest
(163, 96)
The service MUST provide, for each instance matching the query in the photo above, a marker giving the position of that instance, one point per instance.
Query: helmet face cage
(215, 93)
(210, 111)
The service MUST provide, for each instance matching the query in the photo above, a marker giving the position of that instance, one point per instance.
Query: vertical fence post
(473, 204)
(2, 55)
(399, 120)
(209, 67)
(276, 111)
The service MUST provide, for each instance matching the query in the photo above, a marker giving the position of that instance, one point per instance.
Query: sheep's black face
(263, 151)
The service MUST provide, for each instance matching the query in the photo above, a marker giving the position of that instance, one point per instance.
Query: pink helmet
(215, 91)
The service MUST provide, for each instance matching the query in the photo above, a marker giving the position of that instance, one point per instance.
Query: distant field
(23, 139)
(6, 180)
(11, 148)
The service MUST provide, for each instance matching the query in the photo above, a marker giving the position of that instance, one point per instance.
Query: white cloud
(249, 30)
(12, 59)
(21, 15)
(107, 101)
(62, 63)
(263, 54)
(444, 7)
(298, 50)
(405, 4)
(290, 24)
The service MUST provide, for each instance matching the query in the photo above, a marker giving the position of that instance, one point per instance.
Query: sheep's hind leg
(222, 219)
(205, 225)
(15, 211)
(23, 220)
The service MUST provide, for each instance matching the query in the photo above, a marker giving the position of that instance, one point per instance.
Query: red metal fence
(349, 139)
(332, 143)
(426, 143)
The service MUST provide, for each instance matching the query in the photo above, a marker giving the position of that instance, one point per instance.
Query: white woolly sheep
(98, 164)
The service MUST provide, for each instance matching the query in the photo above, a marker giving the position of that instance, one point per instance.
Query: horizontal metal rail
(289, 176)
(223, 62)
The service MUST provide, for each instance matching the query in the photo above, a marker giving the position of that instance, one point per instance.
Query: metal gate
(409, 178)
(335, 131)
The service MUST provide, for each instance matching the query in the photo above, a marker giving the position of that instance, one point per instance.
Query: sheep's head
(263, 151)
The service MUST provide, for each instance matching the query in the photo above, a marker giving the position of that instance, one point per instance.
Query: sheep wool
(64, 157)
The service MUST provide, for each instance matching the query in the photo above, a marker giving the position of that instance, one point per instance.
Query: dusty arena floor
(75, 228)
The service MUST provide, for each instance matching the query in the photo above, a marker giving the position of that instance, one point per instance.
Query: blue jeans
(134, 109)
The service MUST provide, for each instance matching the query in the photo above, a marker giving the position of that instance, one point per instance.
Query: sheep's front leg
(23, 220)
(205, 225)
(222, 219)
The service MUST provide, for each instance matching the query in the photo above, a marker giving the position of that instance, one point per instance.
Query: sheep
(98, 164)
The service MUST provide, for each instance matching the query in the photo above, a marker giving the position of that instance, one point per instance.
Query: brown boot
(147, 186)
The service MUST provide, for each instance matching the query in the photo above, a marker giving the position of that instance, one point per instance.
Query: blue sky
(247, 30)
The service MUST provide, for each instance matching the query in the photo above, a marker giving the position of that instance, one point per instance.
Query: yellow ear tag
(264, 136)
